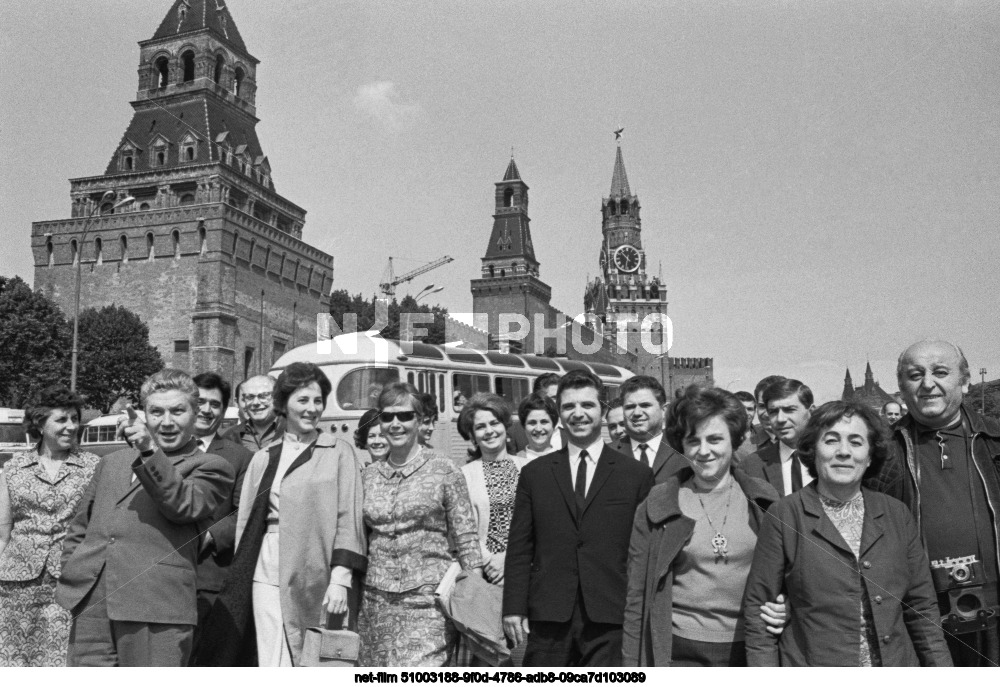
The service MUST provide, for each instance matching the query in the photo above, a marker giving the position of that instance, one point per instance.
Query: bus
(13, 437)
(360, 365)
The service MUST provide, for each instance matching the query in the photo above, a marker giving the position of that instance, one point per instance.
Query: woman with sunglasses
(417, 511)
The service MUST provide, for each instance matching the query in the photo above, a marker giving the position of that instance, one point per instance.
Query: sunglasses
(403, 415)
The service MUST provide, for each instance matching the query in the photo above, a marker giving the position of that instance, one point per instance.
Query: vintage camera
(960, 585)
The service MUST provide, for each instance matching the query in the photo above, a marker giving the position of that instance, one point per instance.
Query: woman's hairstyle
(294, 377)
(829, 414)
(365, 424)
(537, 402)
(699, 404)
(399, 394)
(429, 402)
(49, 400)
(483, 401)
(170, 379)
(544, 380)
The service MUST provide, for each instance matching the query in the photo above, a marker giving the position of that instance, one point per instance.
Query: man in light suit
(129, 557)
(219, 540)
(567, 551)
(645, 405)
(789, 405)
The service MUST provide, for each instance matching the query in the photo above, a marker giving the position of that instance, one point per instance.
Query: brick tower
(509, 282)
(209, 255)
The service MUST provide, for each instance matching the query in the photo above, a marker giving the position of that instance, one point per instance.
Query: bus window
(466, 386)
(513, 389)
(440, 393)
(359, 389)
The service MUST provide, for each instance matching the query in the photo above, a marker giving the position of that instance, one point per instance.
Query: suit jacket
(143, 534)
(217, 556)
(801, 554)
(765, 464)
(553, 551)
(667, 463)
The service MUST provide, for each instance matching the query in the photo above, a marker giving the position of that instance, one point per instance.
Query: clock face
(627, 259)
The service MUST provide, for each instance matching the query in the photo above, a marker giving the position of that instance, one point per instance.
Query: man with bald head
(944, 467)
(262, 426)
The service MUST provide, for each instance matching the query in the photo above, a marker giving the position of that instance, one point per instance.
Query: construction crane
(388, 287)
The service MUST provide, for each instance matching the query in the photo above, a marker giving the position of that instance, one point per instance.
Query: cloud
(379, 99)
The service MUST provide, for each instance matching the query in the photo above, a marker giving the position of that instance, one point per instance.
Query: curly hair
(294, 377)
(483, 401)
(699, 404)
(829, 414)
(365, 424)
(429, 402)
(537, 402)
(46, 402)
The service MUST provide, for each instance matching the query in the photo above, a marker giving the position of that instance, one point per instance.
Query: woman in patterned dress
(417, 510)
(849, 560)
(39, 491)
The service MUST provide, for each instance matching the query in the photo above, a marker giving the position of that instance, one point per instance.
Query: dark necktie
(643, 456)
(581, 479)
(796, 472)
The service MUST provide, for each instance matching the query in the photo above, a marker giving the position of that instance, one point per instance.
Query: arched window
(624, 207)
(187, 59)
(267, 259)
(76, 250)
(123, 241)
(612, 208)
(177, 244)
(162, 67)
(189, 153)
(203, 236)
(150, 248)
(503, 273)
(493, 272)
(238, 81)
(107, 209)
(508, 198)
(51, 250)
(236, 241)
(143, 206)
(220, 65)
(98, 251)
(253, 244)
(187, 199)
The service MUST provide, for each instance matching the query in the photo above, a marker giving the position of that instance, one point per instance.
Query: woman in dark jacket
(849, 560)
(692, 543)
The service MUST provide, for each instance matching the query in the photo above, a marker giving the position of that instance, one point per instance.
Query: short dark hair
(640, 382)
(615, 402)
(46, 402)
(236, 391)
(537, 402)
(829, 414)
(745, 396)
(211, 380)
(542, 381)
(365, 424)
(394, 394)
(429, 402)
(579, 379)
(764, 383)
(783, 388)
(296, 376)
(699, 404)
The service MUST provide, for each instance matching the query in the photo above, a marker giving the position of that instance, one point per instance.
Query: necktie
(581, 478)
(796, 472)
(643, 456)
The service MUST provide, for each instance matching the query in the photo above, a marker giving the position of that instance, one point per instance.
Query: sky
(818, 180)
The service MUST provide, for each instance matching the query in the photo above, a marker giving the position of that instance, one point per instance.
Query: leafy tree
(35, 343)
(115, 355)
(341, 303)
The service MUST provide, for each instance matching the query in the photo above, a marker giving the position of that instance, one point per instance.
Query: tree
(35, 343)
(115, 356)
(342, 303)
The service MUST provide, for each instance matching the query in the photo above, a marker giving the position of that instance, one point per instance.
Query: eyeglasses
(250, 398)
(403, 415)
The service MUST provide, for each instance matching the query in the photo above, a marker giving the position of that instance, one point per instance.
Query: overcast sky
(818, 179)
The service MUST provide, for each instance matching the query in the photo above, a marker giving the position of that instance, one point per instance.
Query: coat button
(886, 638)
(867, 564)
(878, 599)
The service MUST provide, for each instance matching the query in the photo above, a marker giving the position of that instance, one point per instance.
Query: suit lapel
(126, 485)
(605, 465)
(559, 463)
(771, 457)
(823, 527)
(871, 529)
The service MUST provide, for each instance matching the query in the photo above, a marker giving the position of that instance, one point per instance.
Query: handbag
(325, 648)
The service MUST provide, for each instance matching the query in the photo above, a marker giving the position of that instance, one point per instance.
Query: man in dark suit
(567, 551)
(762, 435)
(789, 405)
(219, 540)
(645, 405)
(129, 557)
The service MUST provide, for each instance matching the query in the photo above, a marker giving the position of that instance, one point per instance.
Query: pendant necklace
(719, 541)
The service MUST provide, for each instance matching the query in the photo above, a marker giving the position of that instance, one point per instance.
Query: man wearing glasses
(262, 426)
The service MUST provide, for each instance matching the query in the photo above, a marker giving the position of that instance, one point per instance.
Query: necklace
(405, 462)
(719, 541)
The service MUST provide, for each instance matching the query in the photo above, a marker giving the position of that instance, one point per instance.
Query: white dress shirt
(593, 454)
(206, 441)
(786, 468)
(652, 446)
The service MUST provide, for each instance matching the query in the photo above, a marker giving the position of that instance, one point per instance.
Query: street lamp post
(79, 277)
(982, 389)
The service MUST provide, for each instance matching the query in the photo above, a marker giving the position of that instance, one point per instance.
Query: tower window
(107, 209)
(150, 251)
(98, 251)
(503, 273)
(203, 235)
(508, 198)
(238, 82)
(162, 67)
(612, 208)
(188, 61)
(177, 244)
(51, 251)
(220, 64)
(624, 207)
(492, 271)
(76, 251)
(189, 153)
(124, 246)
(187, 199)
(143, 206)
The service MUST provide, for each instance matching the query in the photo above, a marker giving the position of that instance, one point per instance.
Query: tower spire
(619, 180)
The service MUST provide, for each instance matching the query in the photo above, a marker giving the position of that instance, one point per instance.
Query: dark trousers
(96, 640)
(975, 649)
(206, 599)
(688, 653)
(575, 643)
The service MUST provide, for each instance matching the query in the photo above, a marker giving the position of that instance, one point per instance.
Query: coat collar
(666, 503)
(976, 423)
(871, 530)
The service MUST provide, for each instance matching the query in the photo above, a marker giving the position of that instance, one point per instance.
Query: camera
(960, 584)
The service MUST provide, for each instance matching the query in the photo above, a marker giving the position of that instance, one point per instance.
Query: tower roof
(511, 174)
(193, 15)
(868, 370)
(619, 180)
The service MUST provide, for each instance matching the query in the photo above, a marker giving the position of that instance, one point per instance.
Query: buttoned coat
(666, 464)
(143, 534)
(801, 554)
(215, 560)
(659, 533)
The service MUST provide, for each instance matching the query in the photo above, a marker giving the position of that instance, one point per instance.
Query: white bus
(13, 437)
(359, 366)
(99, 435)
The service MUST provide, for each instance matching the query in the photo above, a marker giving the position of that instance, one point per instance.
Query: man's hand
(516, 628)
(335, 599)
(494, 568)
(774, 616)
(133, 430)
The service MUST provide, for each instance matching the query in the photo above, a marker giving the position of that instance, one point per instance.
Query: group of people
(713, 529)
